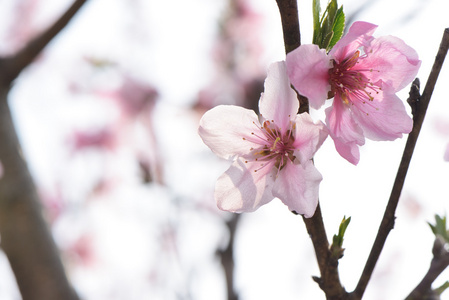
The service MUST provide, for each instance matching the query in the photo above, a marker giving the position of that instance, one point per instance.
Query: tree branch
(439, 263)
(420, 107)
(290, 24)
(329, 281)
(328, 264)
(12, 66)
(25, 237)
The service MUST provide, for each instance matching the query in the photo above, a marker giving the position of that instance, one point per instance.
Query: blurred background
(108, 117)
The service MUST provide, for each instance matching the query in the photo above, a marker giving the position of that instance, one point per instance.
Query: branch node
(414, 96)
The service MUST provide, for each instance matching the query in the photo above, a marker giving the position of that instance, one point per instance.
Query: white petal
(226, 130)
(309, 136)
(297, 186)
(241, 189)
(279, 101)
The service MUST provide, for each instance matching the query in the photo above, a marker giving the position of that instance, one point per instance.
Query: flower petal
(345, 132)
(226, 130)
(297, 187)
(279, 101)
(241, 189)
(309, 136)
(308, 69)
(392, 61)
(359, 35)
(384, 118)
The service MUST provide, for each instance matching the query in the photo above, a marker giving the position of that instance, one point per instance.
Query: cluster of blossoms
(273, 152)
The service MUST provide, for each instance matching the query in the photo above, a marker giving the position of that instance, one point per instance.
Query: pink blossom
(272, 153)
(363, 74)
(103, 138)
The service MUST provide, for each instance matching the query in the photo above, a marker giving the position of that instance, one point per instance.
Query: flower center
(275, 147)
(350, 83)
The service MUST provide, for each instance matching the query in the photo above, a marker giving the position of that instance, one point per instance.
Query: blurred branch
(12, 66)
(227, 257)
(25, 237)
(419, 108)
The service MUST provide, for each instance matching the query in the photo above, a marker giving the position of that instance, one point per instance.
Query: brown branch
(290, 24)
(12, 66)
(25, 237)
(439, 263)
(328, 264)
(329, 281)
(420, 107)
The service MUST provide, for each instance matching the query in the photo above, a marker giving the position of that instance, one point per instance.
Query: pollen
(276, 146)
(350, 82)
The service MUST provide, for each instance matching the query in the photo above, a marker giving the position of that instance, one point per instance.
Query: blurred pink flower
(136, 97)
(103, 139)
(363, 74)
(273, 152)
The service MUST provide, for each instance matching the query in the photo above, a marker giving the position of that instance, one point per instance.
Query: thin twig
(439, 263)
(389, 215)
(330, 280)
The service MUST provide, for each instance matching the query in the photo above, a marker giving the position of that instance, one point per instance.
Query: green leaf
(332, 10)
(328, 29)
(337, 240)
(337, 28)
(326, 40)
(440, 228)
(316, 10)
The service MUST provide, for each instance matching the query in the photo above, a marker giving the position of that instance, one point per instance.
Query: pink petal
(392, 61)
(308, 69)
(226, 130)
(279, 101)
(384, 118)
(359, 35)
(240, 189)
(297, 187)
(345, 132)
(309, 136)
